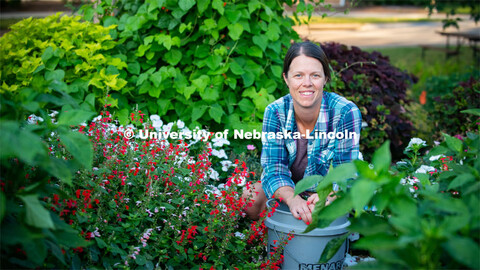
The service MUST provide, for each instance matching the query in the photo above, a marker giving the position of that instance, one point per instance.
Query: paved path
(385, 34)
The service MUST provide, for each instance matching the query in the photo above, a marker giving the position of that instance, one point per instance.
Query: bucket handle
(284, 248)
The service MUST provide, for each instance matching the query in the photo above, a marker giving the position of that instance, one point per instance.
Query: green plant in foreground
(436, 226)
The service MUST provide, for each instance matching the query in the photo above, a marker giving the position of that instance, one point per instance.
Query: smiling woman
(306, 110)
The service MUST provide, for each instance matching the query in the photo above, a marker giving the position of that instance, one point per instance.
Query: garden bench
(448, 52)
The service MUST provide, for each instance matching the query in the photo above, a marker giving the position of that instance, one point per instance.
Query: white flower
(157, 124)
(219, 154)
(219, 142)
(360, 156)
(353, 236)
(425, 169)
(433, 158)
(349, 260)
(180, 124)
(155, 117)
(225, 165)
(416, 141)
(213, 174)
(240, 235)
(168, 127)
(401, 163)
(364, 124)
(53, 114)
(98, 118)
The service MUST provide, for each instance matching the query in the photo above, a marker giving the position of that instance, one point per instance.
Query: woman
(309, 111)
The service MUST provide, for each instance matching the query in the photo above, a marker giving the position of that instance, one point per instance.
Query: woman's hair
(308, 49)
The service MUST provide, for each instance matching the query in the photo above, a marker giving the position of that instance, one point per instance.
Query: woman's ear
(285, 78)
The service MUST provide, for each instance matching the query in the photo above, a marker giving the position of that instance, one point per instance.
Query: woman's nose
(307, 81)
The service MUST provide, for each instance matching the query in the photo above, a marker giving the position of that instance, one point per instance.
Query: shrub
(210, 63)
(57, 55)
(446, 113)
(378, 89)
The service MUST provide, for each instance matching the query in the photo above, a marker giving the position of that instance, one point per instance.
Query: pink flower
(251, 147)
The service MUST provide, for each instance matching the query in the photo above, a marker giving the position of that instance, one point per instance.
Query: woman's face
(305, 79)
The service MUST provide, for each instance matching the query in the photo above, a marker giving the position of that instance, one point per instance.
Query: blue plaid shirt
(337, 114)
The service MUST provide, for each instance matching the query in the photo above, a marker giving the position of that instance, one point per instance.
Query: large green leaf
(218, 5)
(36, 215)
(216, 112)
(382, 158)
(186, 5)
(198, 112)
(472, 111)
(332, 248)
(307, 183)
(362, 191)
(453, 143)
(79, 146)
(74, 117)
(202, 5)
(235, 31)
(464, 250)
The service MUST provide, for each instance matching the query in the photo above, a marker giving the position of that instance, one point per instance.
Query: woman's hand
(330, 198)
(312, 200)
(300, 209)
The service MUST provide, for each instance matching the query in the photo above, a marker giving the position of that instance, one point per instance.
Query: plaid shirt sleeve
(347, 150)
(274, 158)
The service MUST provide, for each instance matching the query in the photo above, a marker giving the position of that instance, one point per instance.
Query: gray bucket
(304, 250)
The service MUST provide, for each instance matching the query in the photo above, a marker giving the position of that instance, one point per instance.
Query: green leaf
(246, 105)
(332, 247)
(235, 31)
(36, 215)
(202, 5)
(255, 51)
(79, 146)
(377, 242)
(74, 117)
(233, 15)
(218, 5)
(154, 92)
(100, 242)
(140, 260)
(260, 41)
(216, 112)
(236, 68)
(382, 158)
(156, 78)
(134, 68)
(57, 75)
(472, 111)
(461, 180)
(186, 5)
(213, 61)
(198, 111)
(173, 57)
(47, 54)
(201, 82)
(453, 143)
(362, 191)
(188, 91)
(20, 143)
(464, 250)
(306, 183)
(339, 174)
